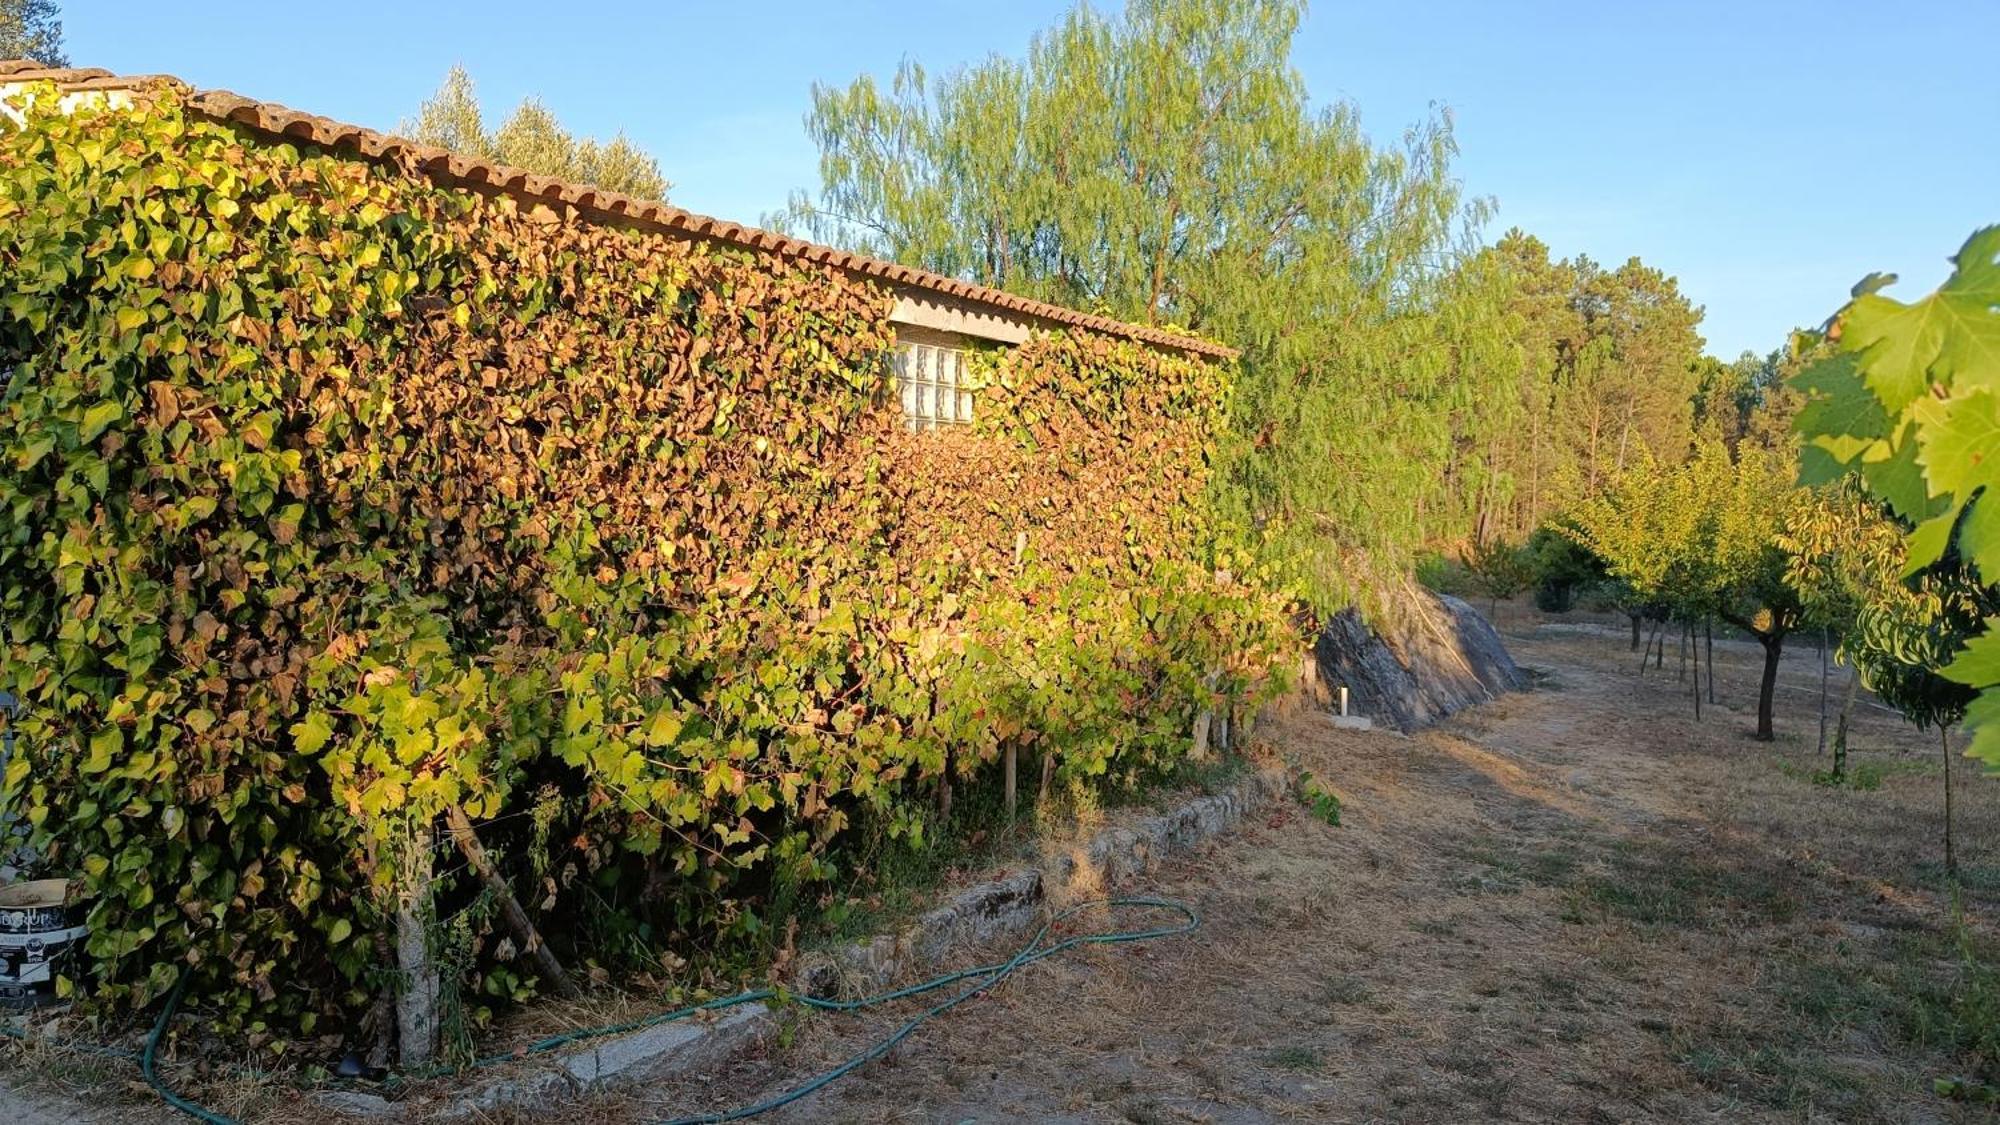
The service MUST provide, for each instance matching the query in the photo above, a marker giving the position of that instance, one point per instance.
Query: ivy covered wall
(338, 501)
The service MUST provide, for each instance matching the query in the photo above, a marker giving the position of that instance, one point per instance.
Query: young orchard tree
(1700, 538)
(1498, 570)
(1844, 554)
(1848, 560)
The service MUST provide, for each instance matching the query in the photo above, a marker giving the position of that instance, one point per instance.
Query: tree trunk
(1708, 630)
(517, 919)
(1774, 651)
(1950, 851)
(1660, 647)
(1840, 729)
(1013, 754)
(417, 994)
(1636, 619)
(1696, 686)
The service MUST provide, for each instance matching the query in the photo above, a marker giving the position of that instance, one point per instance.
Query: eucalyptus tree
(532, 138)
(1166, 165)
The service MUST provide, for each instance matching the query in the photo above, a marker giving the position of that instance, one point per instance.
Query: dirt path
(1573, 905)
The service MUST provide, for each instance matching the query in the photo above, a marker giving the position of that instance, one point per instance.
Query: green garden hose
(198, 1112)
(984, 978)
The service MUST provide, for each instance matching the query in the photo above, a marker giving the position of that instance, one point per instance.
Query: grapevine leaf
(1873, 283)
(1978, 663)
(1951, 334)
(1982, 719)
(1977, 265)
(1818, 464)
(1928, 542)
(1958, 442)
(1841, 406)
(1979, 536)
(1897, 344)
(1892, 473)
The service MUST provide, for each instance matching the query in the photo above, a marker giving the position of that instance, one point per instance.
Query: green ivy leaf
(98, 419)
(310, 736)
(104, 748)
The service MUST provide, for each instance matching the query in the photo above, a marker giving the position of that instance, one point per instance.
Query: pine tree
(32, 29)
(532, 138)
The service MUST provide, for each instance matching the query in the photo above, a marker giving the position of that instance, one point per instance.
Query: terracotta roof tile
(290, 124)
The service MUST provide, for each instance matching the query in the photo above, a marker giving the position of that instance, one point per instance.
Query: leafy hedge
(339, 499)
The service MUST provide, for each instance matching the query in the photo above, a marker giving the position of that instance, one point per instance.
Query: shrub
(1559, 569)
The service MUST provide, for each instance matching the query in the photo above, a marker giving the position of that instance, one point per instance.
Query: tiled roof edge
(289, 124)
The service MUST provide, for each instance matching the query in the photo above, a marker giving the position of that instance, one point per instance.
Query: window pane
(930, 384)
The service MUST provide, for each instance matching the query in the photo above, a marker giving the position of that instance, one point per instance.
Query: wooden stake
(1823, 674)
(517, 919)
(1950, 851)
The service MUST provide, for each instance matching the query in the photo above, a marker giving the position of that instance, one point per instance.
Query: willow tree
(1166, 165)
(532, 138)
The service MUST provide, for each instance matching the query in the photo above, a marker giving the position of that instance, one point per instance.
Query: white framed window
(931, 381)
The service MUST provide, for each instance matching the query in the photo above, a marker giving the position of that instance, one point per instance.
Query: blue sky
(1766, 153)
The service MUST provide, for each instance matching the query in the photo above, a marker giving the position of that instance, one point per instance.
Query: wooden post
(944, 783)
(517, 920)
(1823, 673)
(1950, 850)
(417, 984)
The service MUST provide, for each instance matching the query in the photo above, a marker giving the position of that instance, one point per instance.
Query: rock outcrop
(1434, 657)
